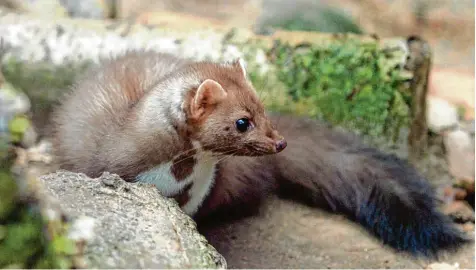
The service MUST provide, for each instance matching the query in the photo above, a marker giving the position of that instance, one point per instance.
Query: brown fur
(183, 165)
(219, 129)
(184, 195)
(93, 137)
(96, 127)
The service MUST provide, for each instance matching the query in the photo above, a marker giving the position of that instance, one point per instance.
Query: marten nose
(280, 145)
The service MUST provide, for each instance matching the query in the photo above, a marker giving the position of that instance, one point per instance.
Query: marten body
(200, 134)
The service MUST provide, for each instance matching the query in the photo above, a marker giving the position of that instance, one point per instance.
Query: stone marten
(198, 131)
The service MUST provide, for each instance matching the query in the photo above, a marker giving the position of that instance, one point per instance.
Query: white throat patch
(202, 179)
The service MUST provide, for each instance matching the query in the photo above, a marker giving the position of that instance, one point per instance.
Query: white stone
(459, 147)
(37, 40)
(445, 266)
(441, 114)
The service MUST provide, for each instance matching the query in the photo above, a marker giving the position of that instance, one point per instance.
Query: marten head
(225, 114)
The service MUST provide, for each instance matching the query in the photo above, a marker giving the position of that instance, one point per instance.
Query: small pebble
(441, 115)
(460, 153)
(460, 211)
(443, 266)
(109, 182)
(468, 227)
(454, 193)
(466, 184)
(460, 194)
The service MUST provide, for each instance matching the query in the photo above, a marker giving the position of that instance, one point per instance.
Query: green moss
(318, 19)
(7, 193)
(27, 238)
(347, 83)
(17, 127)
(23, 238)
(461, 111)
(41, 80)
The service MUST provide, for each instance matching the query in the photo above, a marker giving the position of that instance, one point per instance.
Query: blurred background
(447, 25)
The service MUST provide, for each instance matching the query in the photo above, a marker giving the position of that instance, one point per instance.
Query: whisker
(227, 156)
(227, 152)
(195, 149)
(187, 157)
(191, 149)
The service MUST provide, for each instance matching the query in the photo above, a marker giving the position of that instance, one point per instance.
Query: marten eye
(243, 124)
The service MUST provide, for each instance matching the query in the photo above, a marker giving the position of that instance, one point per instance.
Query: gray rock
(441, 115)
(44, 8)
(93, 9)
(133, 225)
(460, 153)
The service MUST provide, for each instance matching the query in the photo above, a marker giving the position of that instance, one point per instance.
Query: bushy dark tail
(380, 191)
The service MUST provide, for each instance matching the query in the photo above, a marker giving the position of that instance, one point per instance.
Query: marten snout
(280, 145)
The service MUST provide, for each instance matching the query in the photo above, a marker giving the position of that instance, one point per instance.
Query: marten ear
(208, 94)
(240, 64)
